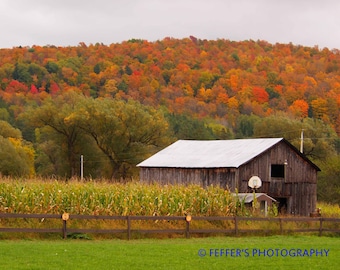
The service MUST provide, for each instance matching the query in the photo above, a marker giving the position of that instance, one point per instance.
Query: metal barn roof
(209, 154)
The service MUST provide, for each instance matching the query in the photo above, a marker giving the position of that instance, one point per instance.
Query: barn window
(278, 170)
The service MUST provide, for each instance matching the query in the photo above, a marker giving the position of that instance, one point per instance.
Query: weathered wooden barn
(286, 174)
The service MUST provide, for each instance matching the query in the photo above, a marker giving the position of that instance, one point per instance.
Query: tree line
(115, 134)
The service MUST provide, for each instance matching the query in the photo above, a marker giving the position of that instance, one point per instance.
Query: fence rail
(235, 226)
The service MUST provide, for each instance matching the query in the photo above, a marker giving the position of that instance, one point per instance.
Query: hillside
(219, 79)
(207, 89)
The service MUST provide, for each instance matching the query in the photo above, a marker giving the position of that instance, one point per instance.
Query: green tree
(245, 125)
(126, 132)
(220, 131)
(51, 117)
(185, 127)
(38, 73)
(6, 71)
(16, 155)
(11, 164)
(49, 160)
(7, 131)
(319, 138)
(329, 180)
(21, 73)
(97, 68)
(52, 67)
(4, 114)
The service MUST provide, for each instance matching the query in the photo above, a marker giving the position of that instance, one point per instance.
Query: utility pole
(81, 167)
(301, 142)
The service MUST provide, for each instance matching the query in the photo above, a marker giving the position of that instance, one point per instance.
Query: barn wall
(303, 199)
(224, 177)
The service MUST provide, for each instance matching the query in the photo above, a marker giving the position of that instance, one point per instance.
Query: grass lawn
(277, 252)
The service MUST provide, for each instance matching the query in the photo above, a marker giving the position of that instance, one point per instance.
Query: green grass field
(281, 253)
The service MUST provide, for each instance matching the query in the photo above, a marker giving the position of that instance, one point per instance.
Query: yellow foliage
(25, 150)
(233, 103)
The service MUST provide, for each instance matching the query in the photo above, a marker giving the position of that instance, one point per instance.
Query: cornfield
(43, 196)
(100, 198)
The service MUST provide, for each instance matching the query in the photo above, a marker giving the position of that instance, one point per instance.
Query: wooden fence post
(128, 227)
(65, 218)
(187, 228)
(320, 228)
(236, 226)
(64, 229)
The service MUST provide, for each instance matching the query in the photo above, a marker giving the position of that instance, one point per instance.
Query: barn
(287, 175)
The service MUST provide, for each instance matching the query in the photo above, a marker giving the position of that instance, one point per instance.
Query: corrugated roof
(209, 154)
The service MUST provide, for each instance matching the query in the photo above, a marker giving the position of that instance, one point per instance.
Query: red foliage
(16, 87)
(54, 89)
(34, 89)
(260, 95)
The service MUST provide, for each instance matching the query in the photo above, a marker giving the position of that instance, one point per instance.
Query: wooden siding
(224, 177)
(296, 170)
(298, 186)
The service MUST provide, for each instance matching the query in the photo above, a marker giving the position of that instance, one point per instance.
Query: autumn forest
(117, 104)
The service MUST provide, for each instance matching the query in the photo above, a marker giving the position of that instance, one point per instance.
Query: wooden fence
(235, 225)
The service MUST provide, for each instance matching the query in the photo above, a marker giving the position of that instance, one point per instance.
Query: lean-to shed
(287, 175)
(262, 199)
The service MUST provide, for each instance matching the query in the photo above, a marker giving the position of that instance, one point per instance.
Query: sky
(69, 22)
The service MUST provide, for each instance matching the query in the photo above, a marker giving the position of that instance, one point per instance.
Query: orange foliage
(190, 75)
(299, 108)
(234, 82)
